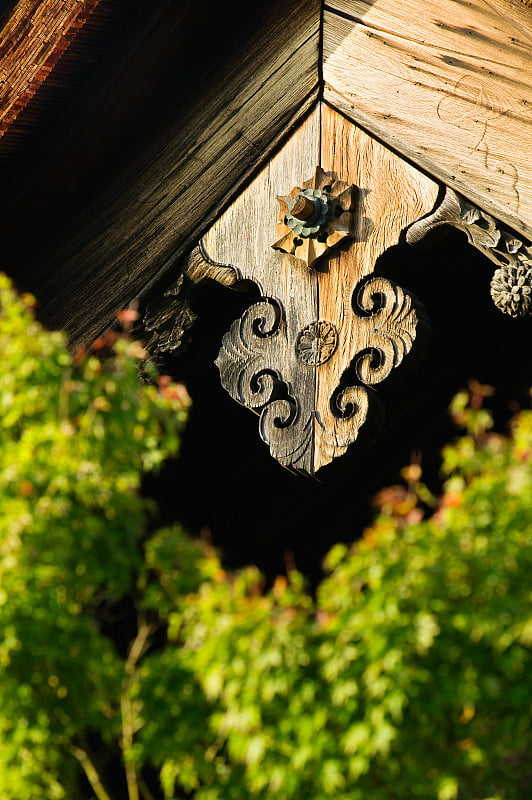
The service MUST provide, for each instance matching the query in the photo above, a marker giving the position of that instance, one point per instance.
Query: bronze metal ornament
(315, 217)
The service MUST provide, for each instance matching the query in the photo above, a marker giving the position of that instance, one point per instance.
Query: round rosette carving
(511, 288)
(316, 343)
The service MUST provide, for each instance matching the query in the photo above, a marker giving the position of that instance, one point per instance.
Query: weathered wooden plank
(34, 37)
(165, 201)
(448, 86)
(516, 12)
(391, 194)
(242, 238)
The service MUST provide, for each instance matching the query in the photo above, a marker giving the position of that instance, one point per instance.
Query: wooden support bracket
(511, 285)
(169, 318)
(307, 357)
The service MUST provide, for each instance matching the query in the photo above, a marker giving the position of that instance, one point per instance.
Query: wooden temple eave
(152, 151)
(211, 143)
(330, 327)
(233, 111)
(33, 39)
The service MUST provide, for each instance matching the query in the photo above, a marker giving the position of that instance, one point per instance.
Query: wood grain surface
(306, 355)
(391, 194)
(447, 84)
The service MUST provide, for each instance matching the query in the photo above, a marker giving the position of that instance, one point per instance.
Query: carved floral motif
(307, 213)
(316, 343)
(511, 288)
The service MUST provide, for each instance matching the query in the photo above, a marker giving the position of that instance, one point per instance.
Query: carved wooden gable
(309, 356)
(444, 83)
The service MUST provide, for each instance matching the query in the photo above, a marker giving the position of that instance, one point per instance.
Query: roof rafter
(32, 41)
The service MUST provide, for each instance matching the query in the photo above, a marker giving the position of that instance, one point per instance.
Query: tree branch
(145, 790)
(91, 772)
(129, 726)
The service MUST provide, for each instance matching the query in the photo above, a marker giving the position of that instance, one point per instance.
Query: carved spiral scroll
(388, 326)
(349, 402)
(246, 360)
(288, 432)
(255, 353)
(260, 364)
(350, 407)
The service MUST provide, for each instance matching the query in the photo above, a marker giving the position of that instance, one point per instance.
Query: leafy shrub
(408, 675)
(75, 440)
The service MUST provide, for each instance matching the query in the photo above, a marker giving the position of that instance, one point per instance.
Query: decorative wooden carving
(169, 318)
(511, 286)
(308, 355)
(199, 267)
(316, 343)
(257, 369)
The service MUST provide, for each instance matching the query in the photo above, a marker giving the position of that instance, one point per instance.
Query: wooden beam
(33, 39)
(160, 205)
(447, 84)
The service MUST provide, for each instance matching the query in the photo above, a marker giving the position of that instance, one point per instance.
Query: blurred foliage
(408, 675)
(76, 435)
